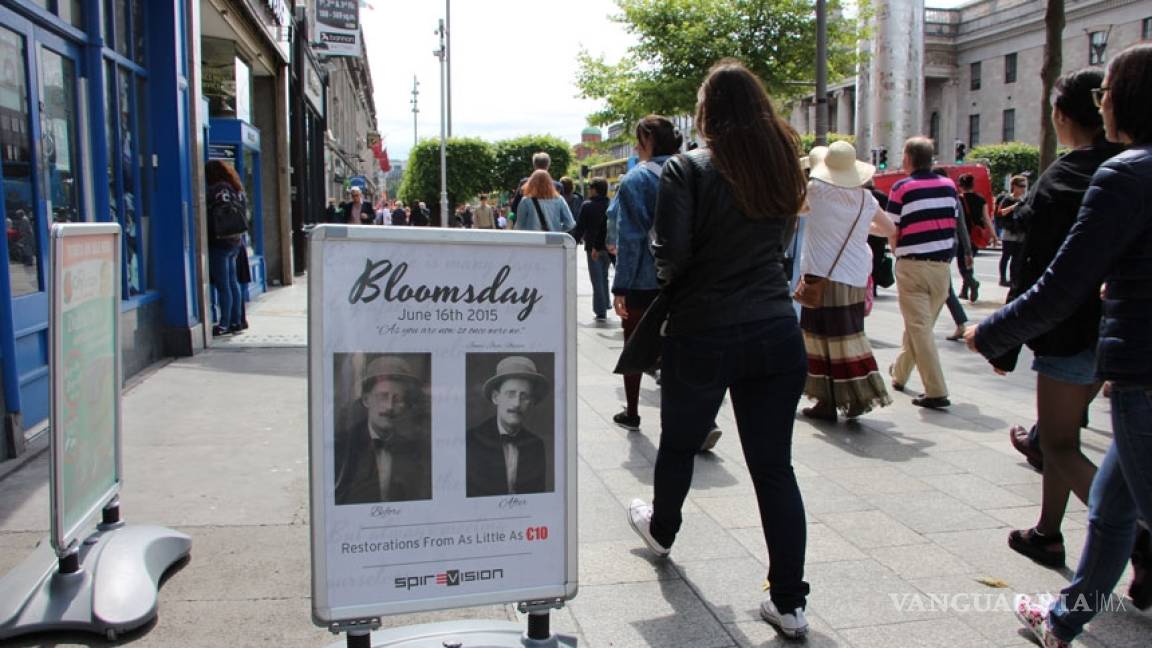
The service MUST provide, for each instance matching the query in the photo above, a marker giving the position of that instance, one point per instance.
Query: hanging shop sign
(442, 419)
(338, 27)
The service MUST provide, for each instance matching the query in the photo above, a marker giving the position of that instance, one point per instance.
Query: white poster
(338, 26)
(443, 428)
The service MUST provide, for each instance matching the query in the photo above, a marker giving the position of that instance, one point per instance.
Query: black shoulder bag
(540, 215)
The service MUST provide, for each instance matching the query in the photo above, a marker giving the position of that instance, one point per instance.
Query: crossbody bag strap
(540, 214)
(843, 245)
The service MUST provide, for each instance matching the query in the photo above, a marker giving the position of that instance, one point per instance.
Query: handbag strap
(843, 245)
(540, 214)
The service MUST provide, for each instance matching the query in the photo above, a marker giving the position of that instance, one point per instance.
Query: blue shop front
(95, 126)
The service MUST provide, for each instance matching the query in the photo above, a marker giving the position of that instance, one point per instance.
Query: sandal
(1047, 550)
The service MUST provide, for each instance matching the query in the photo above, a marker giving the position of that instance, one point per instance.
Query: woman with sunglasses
(1111, 245)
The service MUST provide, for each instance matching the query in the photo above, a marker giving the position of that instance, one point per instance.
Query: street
(908, 510)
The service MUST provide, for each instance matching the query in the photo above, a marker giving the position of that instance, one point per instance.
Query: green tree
(808, 140)
(513, 159)
(678, 40)
(1007, 159)
(470, 165)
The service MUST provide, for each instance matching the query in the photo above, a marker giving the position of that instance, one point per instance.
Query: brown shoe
(820, 412)
(1020, 438)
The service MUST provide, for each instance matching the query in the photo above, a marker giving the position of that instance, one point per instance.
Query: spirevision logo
(450, 578)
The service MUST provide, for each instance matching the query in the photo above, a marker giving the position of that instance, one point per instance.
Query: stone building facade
(982, 67)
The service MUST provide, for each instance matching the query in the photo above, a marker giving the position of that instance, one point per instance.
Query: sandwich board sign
(442, 417)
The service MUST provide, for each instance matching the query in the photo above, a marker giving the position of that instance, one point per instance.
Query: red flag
(376, 150)
(385, 165)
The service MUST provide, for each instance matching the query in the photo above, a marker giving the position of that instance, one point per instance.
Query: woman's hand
(970, 338)
(620, 307)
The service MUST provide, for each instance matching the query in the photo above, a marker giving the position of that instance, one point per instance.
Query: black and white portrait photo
(383, 427)
(510, 414)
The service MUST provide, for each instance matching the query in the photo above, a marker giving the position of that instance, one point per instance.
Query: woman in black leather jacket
(1110, 244)
(723, 217)
(1066, 355)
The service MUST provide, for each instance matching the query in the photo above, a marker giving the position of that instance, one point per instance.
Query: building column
(898, 73)
(863, 117)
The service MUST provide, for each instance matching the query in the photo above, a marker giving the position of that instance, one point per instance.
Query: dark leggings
(1008, 254)
(636, 302)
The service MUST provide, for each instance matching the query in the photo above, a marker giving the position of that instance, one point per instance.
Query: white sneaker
(711, 440)
(792, 625)
(640, 517)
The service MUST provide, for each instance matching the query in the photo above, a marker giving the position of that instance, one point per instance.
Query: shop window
(16, 168)
(1097, 47)
(1010, 68)
(974, 83)
(1146, 29)
(973, 131)
(129, 175)
(1008, 130)
(70, 11)
(124, 28)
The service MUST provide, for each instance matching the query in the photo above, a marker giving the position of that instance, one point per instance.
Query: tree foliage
(1007, 159)
(513, 159)
(470, 164)
(679, 40)
(808, 140)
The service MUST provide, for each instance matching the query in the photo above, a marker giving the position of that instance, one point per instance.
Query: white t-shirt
(832, 211)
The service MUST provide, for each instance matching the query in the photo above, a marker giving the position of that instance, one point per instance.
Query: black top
(720, 266)
(592, 224)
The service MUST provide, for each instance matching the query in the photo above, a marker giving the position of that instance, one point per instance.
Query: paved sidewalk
(908, 510)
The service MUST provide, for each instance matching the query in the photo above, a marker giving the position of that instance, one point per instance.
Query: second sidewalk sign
(442, 420)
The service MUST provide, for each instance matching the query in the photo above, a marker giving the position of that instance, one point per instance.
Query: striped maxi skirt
(841, 368)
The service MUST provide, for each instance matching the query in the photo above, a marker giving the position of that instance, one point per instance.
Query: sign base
(461, 634)
(113, 591)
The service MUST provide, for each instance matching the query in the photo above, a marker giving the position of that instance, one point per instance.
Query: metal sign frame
(64, 537)
(321, 243)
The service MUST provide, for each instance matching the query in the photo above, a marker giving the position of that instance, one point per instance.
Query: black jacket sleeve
(1106, 225)
(673, 221)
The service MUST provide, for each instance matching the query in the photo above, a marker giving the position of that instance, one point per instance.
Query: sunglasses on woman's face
(1098, 95)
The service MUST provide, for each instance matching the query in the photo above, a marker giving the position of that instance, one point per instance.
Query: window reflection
(16, 167)
(58, 136)
(128, 155)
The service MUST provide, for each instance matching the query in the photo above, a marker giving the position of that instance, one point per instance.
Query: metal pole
(442, 53)
(415, 109)
(821, 73)
(448, 57)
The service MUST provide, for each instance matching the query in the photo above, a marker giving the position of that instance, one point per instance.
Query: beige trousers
(922, 287)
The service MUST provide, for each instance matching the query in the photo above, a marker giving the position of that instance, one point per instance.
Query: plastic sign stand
(425, 347)
(105, 581)
(113, 591)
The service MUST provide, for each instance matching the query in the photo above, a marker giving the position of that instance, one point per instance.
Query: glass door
(42, 183)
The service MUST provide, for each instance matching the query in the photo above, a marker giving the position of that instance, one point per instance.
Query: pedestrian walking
(842, 373)
(1011, 234)
(723, 218)
(923, 206)
(226, 224)
(963, 253)
(1065, 356)
(483, 214)
(1110, 244)
(591, 228)
(357, 211)
(544, 209)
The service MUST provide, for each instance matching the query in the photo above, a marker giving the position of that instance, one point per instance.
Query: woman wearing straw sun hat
(842, 374)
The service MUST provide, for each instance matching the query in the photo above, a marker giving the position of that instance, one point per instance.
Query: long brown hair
(540, 185)
(752, 147)
(216, 171)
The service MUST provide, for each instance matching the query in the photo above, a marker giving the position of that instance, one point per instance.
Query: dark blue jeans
(222, 273)
(763, 366)
(1121, 492)
(598, 273)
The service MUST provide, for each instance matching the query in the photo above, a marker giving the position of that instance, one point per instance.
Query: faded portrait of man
(383, 440)
(505, 457)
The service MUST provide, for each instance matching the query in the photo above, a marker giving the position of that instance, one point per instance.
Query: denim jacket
(629, 223)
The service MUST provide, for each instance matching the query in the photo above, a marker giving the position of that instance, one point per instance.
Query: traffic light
(882, 158)
(961, 151)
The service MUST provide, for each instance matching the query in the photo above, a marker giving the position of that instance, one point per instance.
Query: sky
(513, 65)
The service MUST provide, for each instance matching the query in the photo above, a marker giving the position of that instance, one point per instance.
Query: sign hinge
(349, 625)
(526, 607)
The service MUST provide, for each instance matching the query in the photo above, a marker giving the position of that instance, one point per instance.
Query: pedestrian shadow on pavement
(964, 416)
(871, 439)
(710, 469)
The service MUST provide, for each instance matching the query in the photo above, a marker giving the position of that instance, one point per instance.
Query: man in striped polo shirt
(923, 206)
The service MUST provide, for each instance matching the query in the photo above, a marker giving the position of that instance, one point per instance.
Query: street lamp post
(448, 58)
(821, 73)
(442, 54)
(415, 109)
